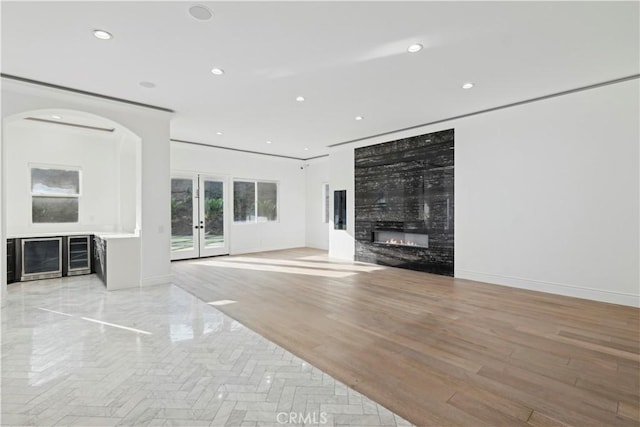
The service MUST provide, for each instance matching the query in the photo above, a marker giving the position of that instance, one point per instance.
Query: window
(340, 210)
(325, 202)
(255, 201)
(54, 195)
(244, 201)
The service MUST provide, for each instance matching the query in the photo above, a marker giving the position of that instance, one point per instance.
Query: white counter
(108, 236)
(101, 234)
(32, 235)
(119, 258)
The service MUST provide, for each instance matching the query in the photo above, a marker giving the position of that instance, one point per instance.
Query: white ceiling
(346, 59)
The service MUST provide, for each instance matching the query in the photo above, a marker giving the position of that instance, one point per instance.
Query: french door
(199, 217)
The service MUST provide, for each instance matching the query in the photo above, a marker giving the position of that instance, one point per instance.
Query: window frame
(326, 203)
(255, 201)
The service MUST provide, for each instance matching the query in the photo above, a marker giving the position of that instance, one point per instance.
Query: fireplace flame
(400, 242)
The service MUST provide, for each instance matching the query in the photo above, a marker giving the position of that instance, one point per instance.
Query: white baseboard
(156, 280)
(321, 246)
(632, 300)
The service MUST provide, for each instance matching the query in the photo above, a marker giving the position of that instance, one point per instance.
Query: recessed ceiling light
(414, 48)
(217, 71)
(300, 99)
(201, 13)
(467, 85)
(218, 133)
(102, 35)
(148, 85)
(306, 148)
(268, 142)
(56, 117)
(359, 117)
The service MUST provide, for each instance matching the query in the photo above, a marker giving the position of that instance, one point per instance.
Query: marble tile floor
(75, 354)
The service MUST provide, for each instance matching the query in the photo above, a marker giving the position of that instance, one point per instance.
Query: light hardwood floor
(436, 350)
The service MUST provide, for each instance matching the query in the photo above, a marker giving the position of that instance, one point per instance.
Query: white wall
(546, 194)
(3, 229)
(40, 144)
(128, 184)
(317, 231)
(341, 172)
(152, 126)
(289, 230)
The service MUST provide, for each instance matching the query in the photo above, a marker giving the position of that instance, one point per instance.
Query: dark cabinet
(11, 260)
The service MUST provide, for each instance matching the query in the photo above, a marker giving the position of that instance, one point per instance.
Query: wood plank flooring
(436, 350)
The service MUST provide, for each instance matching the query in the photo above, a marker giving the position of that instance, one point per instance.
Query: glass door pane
(78, 253)
(184, 231)
(213, 214)
(213, 239)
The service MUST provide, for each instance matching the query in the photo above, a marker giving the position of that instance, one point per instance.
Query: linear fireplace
(399, 238)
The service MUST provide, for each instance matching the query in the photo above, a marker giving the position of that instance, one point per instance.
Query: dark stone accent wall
(407, 185)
